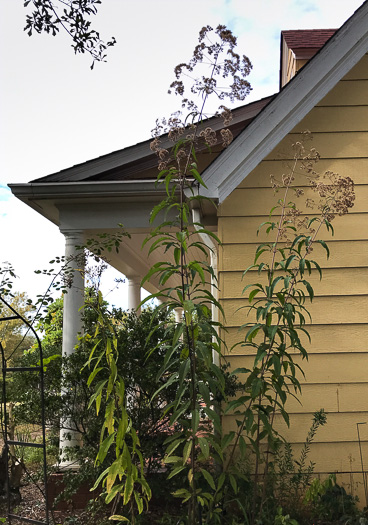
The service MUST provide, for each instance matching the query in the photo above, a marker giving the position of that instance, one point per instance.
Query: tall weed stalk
(277, 305)
(185, 281)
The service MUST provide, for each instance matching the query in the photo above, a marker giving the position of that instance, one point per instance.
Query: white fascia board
(50, 199)
(290, 106)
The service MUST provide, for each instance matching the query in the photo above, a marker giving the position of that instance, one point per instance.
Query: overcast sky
(55, 112)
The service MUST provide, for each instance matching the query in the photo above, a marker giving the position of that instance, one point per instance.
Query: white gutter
(50, 190)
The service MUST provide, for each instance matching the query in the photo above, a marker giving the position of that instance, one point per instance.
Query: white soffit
(290, 106)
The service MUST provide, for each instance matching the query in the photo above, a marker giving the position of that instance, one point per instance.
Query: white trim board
(290, 106)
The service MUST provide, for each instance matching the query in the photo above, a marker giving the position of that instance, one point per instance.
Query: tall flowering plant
(185, 280)
(278, 304)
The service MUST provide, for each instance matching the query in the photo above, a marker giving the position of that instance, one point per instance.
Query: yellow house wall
(337, 371)
(290, 72)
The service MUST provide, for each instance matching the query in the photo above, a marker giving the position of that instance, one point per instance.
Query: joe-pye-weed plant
(198, 452)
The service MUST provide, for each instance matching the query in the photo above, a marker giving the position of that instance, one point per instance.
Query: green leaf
(99, 479)
(184, 370)
(176, 471)
(169, 382)
(252, 294)
(204, 446)
(221, 481)
(187, 451)
(113, 492)
(242, 447)
(195, 420)
(119, 517)
(252, 332)
(93, 375)
(173, 446)
(128, 489)
(197, 177)
(173, 459)
(233, 483)
(226, 440)
(139, 502)
(104, 447)
(208, 478)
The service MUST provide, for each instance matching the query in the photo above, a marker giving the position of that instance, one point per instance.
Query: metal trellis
(6, 370)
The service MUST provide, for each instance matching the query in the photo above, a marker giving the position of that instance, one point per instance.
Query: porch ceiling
(133, 259)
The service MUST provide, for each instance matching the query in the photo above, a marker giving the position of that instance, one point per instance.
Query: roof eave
(46, 198)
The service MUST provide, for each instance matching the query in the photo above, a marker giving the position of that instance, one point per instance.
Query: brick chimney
(298, 47)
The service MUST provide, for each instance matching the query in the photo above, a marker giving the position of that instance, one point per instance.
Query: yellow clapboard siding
(299, 63)
(341, 427)
(259, 201)
(334, 397)
(340, 397)
(336, 374)
(339, 457)
(321, 368)
(236, 230)
(332, 118)
(324, 310)
(347, 93)
(343, 254)
(356, 168)
(313, 396)
(359, 71)
(354, 485)
(329, 145)
(342, 281)
(342, 338)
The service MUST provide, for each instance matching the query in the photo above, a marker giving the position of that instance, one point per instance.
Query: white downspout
(213, 261)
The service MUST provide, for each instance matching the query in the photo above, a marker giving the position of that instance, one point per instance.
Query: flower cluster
(335, 194)
(215, 58)
(233, 68)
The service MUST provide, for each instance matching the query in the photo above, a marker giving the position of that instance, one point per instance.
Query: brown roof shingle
(304, 38)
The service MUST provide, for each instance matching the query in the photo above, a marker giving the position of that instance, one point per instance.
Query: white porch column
(178, 315)
(134, 294)
(72, 325)
(214, 260)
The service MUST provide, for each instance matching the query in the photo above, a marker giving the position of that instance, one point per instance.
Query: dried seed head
(226, 115)
(155, 145)
(209, 136)
(298, 192)
(226, 136)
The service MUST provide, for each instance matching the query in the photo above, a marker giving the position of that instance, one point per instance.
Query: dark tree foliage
(138, 369)
(140, 360)
(73, 16)
(138, 363)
